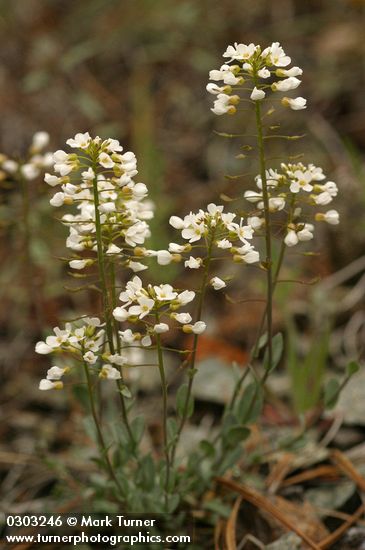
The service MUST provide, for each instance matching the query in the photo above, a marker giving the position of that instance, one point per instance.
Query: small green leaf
(331, 393)
(207, 448)
(352, 368)
(250, 405)
(137, 427)
(236, 434)
(124, 390)
(218, 507)
(181, 397)
(173, 502)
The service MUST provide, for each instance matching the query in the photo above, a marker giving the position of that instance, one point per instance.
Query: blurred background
(136, 70)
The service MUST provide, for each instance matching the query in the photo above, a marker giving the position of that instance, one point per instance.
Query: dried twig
(261, 502)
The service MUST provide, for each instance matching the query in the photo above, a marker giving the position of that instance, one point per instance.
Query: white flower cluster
(36, 162)
(155, 305)
(120, 202)
(250, 65)
(215, 227)
(294, 187)
(85, 341)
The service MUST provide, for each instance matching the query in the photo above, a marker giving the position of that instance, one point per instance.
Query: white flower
(291, 238)
(30, 171)
(45, 385)
(252, 196)
(225, 104)
(214, 89)
(294, 71)
(107, 207)
(193, 263)
(226, 74)
(62, 164)
(331, 216)
(276, 55)
(80, 141)
(323, 198)
(110, 373)
(136, 266)
(224, 243)
(243, 232)
(117, 359)
(183, 318)
(42, 348)
(257, 94)
(217, 283)
(285, 85)
(56, 373)
(255, 222)
(251, 257)
(198, 327)
(120, 314)
(306, 234)
(164, 257)
(185, 297)
(10, 166)
(240, 52)
(302, 181)
(146, 341)
(165, 293)
(106, 161)
(160, 328)
(177, 222)
(275, 204)
(79, 264)
(113, 249)
(296, 104)
(133, 289)
(113, 145)
(176, 248)
(57, 199)
(143, 308)
(90, 357)
(40, 140)
(264, 73)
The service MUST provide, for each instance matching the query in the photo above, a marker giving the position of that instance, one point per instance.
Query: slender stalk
(32, 298)
(268, 262)
(107, 306)
(191, 371)
(101, 264)
(161, 368)
(119, 349)
(102, 445)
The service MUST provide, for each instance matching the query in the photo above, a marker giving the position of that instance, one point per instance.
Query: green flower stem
(268, 262)
(101, 264)
(164, 387)
(106, 304)
(119, 349)
(192, 371)
(33, 294)
(102, 445)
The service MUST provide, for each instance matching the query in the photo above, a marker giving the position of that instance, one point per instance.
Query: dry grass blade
(231, 526)
(333, 537)
(348, 468)
(279, 471)
(261, 502)
(331, 472)
(218, 532)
